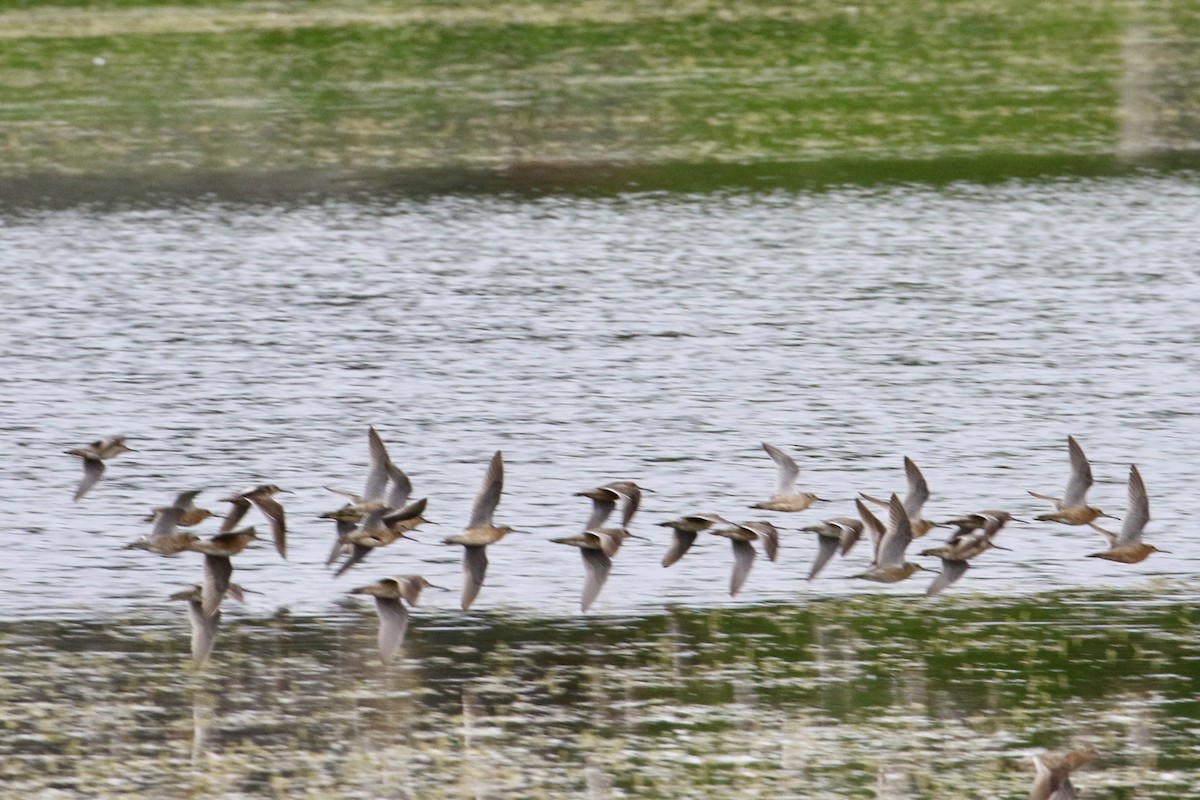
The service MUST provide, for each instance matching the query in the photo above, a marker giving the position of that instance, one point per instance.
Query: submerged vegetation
(355, 88)
(869, 696)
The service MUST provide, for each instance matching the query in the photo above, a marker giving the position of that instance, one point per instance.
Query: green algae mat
(357, 88)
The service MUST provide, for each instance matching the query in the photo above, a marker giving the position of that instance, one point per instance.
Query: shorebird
(165, 538)
(1052, 778)
(604, 499)
(597, 544)
(980, 520)
(381, 471)
(613, 536)
(597, 563)
(376, 496)
(786, 498)
(914, 500)
(189, 513)
(889, 565)
(346, 519)
(832, 535)
(393, 616)
(1127, 547)
(874, 528)
(380, 528)
(1073, 509)
(480, 531)
(376, 528)
(218, 569)
(262, 497)
(684, 531)
(596, 548)
(741, 535)
(94, 455)
(972, 538)
(204, 627)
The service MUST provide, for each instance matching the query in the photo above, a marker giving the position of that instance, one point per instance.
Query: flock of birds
(385, 512)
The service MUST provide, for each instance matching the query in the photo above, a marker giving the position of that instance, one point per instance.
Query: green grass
(354, 87)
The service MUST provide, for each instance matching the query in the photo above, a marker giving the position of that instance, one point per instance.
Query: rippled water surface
(656, 337)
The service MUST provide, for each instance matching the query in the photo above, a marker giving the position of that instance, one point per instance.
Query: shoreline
(534, 179)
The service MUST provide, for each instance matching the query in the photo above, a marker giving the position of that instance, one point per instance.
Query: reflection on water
(204, 706)
(852, 697)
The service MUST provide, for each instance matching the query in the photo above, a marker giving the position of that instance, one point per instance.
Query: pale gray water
(655, 337)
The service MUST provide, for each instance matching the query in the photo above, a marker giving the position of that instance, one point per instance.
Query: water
(657, 338)
(653, 337)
